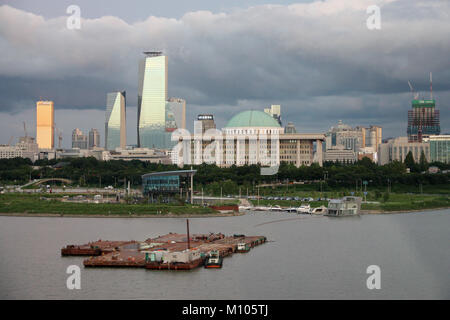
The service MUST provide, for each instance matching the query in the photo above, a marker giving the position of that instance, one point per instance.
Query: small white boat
(304, 209)
(276, 208)
(319, 210)
(261, 208)
(244, 208)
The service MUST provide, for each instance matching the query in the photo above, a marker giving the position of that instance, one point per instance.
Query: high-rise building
(207, 122)
(115, 123)
(94, 138)
(152, 99)
(177, 107)
(45, 124)
(423, 120)
(275, 112)
(79, 140)
(372, 137)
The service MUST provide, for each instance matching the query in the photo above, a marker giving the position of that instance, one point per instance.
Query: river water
(308, 257)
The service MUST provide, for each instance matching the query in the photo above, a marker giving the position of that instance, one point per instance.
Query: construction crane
(415, 94)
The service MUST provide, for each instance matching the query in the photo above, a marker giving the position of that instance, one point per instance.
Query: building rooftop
(252, 118)
(182, 173)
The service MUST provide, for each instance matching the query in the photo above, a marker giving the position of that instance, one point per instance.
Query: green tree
(409, 160)
(423, 163)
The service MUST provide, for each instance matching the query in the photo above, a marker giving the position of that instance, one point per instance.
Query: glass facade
(152, 99)
(161, 184)
(176, 111)
(440, 148)
(115, 122)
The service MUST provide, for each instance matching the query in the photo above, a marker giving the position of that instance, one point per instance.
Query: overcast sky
(317, 59)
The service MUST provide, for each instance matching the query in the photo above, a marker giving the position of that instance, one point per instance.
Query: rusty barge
(172, 251)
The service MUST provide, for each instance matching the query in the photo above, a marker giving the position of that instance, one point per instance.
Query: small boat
(291, 209)
(304, 209)
(214, 260)
(261, 208)
(276, 208)
(319, 210)
(242, 247)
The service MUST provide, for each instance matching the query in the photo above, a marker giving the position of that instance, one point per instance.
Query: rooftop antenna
(431, 86)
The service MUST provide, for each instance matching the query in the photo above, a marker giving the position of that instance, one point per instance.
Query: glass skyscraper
(152, 97)
(115, 123)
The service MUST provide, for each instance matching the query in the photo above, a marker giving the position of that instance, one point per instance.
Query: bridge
(41, 181)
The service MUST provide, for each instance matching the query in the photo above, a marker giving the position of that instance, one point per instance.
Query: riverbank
(402, 211)
(166, 215)
(52, 205)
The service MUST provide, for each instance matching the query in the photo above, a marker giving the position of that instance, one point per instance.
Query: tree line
(92, 172)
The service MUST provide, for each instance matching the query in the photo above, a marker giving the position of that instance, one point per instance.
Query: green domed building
(252, 118)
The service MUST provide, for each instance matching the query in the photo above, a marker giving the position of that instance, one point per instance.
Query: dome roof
(252, 118)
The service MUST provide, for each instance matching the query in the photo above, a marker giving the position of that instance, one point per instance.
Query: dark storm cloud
(318, 60)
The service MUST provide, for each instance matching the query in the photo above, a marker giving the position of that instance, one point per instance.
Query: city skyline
(372, 90)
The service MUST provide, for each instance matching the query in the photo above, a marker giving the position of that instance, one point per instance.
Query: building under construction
(423, 120)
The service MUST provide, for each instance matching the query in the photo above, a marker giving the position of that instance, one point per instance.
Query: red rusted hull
(80, 252)
(174, 266)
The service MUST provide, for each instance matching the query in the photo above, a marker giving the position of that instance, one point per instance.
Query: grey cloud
(318, 60)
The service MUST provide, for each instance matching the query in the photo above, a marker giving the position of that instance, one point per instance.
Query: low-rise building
(25, 148)
(340, 154)
(439, 148)
(250, 137)
(396, 149)
(143, 154)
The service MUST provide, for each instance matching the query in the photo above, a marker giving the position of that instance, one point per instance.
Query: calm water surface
(310, 257)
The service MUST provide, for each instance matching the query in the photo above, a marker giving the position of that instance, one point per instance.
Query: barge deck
(162, 252)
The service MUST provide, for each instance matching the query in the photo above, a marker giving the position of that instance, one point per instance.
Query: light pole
(258, 195)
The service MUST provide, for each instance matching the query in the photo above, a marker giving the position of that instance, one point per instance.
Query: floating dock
(171, 251)
(95, 248)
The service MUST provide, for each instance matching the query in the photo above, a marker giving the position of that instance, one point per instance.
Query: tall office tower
(177, 107)
(372, 137)
(115, 123)
(152, 98)
(423, 120)
(275, 112)
(45, 124)
(207, 121)
(79, 140)
(94, 138)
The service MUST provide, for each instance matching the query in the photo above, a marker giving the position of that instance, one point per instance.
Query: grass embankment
(406, 202)
(32, 204)
(287, 203)
(395, 202)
